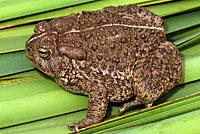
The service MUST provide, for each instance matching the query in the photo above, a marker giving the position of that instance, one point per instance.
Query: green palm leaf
(35, 101)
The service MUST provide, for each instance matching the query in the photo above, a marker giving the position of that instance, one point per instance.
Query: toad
(117, 54)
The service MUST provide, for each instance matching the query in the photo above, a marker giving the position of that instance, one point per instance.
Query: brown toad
(112, 55)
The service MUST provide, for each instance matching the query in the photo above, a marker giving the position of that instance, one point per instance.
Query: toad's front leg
(97, 106)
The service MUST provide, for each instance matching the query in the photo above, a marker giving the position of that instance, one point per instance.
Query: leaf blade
(17, 8)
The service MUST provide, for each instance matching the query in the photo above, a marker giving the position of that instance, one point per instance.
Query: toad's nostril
(28, 49)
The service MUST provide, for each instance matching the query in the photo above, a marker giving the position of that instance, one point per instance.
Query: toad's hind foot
(130, 104)
(127, 105)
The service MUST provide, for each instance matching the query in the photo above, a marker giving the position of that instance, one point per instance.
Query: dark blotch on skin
(94, 47)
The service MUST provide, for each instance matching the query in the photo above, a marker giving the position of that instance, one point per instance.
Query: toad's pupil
(44, 53)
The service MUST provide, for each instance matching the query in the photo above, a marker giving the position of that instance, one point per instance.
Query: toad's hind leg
(155, 74)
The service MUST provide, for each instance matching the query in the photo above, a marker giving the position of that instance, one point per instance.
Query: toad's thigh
(157, 73)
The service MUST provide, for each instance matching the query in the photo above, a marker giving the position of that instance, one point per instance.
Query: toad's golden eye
(44, 53)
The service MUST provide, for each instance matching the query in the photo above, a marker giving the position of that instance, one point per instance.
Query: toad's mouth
(39, 66)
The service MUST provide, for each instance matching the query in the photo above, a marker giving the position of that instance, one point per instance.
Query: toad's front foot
(78, 125)
(97, 105)
(73, 127)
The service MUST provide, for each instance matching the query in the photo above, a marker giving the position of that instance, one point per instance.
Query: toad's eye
(44, 53)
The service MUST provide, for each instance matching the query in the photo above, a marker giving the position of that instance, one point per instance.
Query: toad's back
(116, 39)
